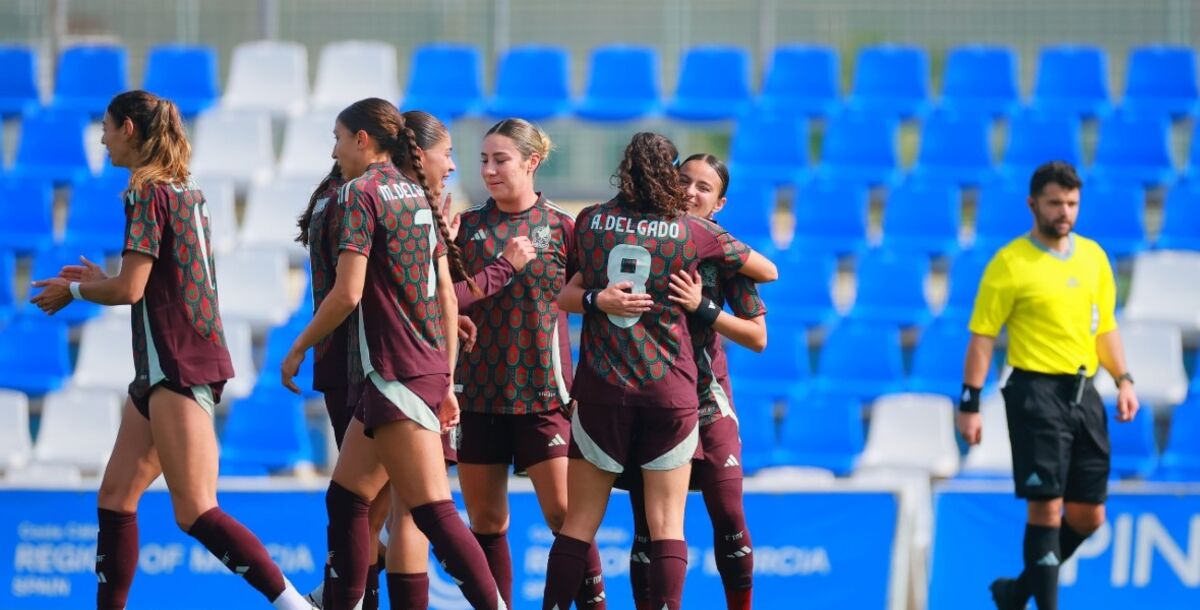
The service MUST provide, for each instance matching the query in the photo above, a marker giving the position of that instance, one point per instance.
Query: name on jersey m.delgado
(643, 227)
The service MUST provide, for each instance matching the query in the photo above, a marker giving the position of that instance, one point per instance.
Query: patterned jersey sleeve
(145, 209)
(494, 276)
(717, 245)
(568, 233)
(741, 294)
(358, 220)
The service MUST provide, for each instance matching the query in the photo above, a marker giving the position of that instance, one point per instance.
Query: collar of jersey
(1059, 255)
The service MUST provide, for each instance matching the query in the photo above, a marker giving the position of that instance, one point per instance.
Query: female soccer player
(718, 474)
(514, 387)
(393, 275)
(636, 381)
(168, 276)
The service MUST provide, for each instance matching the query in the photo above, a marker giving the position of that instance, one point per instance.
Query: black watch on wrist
(1124, 377)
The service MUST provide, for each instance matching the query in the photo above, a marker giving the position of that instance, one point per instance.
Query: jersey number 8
(628, 263)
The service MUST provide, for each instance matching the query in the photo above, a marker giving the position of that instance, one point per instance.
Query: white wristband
(74, 287)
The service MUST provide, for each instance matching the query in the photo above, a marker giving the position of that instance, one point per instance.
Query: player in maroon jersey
(181, 362)
(393, 275)
(514, 387)
(636, 381)
(718, 474)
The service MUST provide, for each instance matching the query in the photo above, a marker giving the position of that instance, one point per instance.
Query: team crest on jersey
(541, 237)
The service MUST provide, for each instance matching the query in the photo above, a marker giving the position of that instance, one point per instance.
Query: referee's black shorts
(1059, 450)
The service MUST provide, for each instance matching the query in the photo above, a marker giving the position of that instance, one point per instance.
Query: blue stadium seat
(187, 75)
(803, 295)
(8, 278)
(1181, 459)
(1181, 219)
(861, 148)
(279, 341)
(532, 83)
(823, 431)
(965, 272)
(784, 366)
(29, 217)
(446, 80)
(891, 289)
(981, 80)
(1112, 215)
(1036, 139)
(1161, 81)
(937, 366)
(956, 149)
(1072, 80)
(623, 84)
(47, 264)
(714, 84)
(1001, 213)
(88, 78)
(52, 147)
(771, 149)
(34, 354)
(891, 80)
(1134, 453)
(922, 217)
(861, 360)
(747, 211)
(1136, 149)
(18, 81)
(265, 432)
(803, 80)
(96, 219)
(830, 216)
(758, 425)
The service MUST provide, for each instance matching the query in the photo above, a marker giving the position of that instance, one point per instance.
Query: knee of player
(555, 517)
(489, 520)
(116, 496)
(187, 513)
(1087, 519)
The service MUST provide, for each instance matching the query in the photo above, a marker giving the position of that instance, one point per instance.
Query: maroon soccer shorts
(520, 440)
(384, 401)
(207, 396)
(614, 438)
(721, 454)
(340, 404)
(451, 441)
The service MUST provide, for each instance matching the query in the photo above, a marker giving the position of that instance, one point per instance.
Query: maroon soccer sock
(349, 547)
(731, 540)
(240, 550)
(499, 558)
(668, 568)
(591, 593)
(116, 558)
(639, 554)
(565, 570)
(458, 553)
(408, 591)
(371, 593)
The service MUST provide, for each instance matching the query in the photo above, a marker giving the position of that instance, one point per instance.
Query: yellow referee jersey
(1053, 304)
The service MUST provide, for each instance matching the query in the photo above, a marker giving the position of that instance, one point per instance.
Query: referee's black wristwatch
(1124, 377)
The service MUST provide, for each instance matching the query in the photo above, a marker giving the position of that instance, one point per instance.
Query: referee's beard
(1057, 226)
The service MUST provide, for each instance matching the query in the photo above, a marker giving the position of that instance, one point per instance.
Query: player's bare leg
(588, 490)
(357, 478)
(407, 561)
(666, 499)
(485, 492)
(549, 479)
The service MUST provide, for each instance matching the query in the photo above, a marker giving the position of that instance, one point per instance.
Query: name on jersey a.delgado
(643, 227)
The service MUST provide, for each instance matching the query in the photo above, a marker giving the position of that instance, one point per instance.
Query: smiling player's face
(507, 175)
(438, 163)
(350, 150)
(702, 185)
(117, 138)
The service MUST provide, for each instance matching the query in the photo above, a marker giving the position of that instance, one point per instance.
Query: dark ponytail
(305, 219)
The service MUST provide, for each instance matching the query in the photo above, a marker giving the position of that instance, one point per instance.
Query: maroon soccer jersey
(330, 355)
(177, 332)
(645, 360)
(386, 218)
(712, 368)
(522, 358)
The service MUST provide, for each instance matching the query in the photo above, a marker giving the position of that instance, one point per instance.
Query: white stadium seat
(78, 429)
(993, 454)
(234, 145)
(268, 75)
(912, 431)
(1164, 289)
(355, 69)
(221, 199)
(15, 443)
(252, 286)
(307, 146)
(270, 219)
(105, 355)
(1154, 354)
(240, 339)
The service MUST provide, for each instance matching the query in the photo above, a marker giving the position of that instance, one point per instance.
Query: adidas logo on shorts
(732, 462)
(557, 441)
(1033, 481)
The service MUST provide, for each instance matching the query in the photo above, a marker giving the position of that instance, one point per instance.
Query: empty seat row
(624, 82)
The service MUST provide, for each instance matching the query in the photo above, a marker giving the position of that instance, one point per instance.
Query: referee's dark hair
(1056, 172)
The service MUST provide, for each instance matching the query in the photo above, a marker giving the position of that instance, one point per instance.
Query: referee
(1054, 291)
